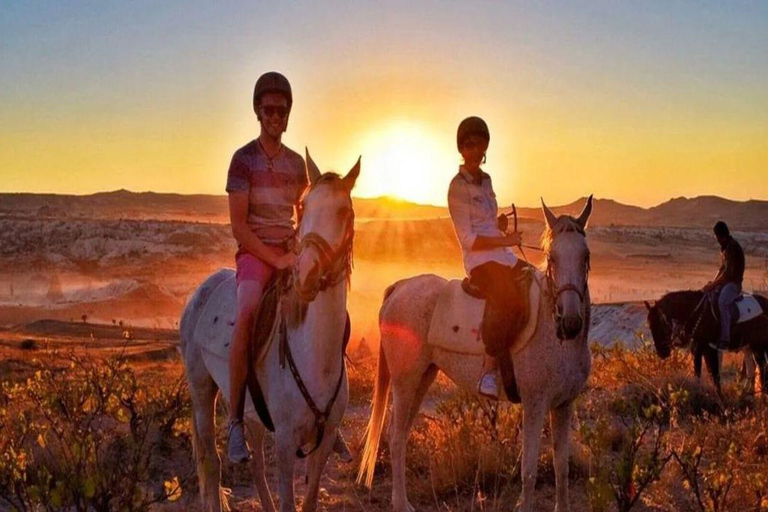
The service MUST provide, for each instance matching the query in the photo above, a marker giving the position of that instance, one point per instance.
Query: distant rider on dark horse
(727, 281)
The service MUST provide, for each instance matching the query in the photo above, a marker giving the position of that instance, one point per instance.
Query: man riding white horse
(265, 183)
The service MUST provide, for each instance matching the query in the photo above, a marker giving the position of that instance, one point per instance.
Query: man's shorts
(253, 268)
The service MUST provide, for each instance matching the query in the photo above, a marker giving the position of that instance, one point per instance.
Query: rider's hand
(503, 223)
(515, 238)
(284, 261)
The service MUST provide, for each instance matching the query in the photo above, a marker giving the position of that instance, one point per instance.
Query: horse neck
(320, 336)
(680, 305)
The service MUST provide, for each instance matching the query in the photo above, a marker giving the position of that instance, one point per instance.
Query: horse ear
(313, 172)
(585, 213)
(351, 177)
(647, 305)
(550, 217)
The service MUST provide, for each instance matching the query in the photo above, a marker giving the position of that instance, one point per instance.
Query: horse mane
(680, 301)
(564, 224)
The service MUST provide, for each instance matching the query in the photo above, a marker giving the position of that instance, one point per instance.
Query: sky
(634, 101)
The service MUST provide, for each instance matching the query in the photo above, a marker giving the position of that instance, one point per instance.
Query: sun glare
(406, 160)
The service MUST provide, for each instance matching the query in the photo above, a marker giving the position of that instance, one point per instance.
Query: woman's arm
(459, 206)
(483, 243)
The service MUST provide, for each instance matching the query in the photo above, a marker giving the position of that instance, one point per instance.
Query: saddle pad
(217, 320)
(749, 308)
(457, 321)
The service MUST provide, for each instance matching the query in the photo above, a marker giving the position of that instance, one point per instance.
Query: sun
(406, 160)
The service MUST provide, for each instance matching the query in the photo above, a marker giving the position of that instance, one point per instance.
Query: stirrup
(722, 346)
(242, 453)
(493, 395)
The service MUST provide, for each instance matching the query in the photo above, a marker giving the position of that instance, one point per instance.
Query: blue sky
(642, 100)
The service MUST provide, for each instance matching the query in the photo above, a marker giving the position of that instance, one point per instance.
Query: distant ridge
(699, 212)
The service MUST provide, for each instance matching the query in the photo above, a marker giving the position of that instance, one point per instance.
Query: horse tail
(375, 426)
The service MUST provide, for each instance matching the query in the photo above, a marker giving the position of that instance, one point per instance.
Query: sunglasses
(270, 111)
(471, 144)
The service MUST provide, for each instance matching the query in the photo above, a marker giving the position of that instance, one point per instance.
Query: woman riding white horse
(551, 367)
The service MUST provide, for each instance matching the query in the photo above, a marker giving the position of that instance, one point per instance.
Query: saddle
(744, 308)
(457, 322)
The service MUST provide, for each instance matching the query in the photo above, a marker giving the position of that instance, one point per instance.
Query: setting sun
(406, 160)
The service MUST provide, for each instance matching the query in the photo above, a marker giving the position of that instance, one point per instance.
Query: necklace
(270, 159)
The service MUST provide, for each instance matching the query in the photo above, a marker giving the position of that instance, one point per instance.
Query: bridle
(334, 264)
(677, 329)
(556, 290)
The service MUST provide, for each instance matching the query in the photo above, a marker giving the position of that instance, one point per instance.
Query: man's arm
(238, 216)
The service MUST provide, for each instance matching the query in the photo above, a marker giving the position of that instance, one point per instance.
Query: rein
(321, 417)
(679, 329)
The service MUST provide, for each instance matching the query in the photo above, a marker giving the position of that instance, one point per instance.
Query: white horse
(313, 315)
(551, 368)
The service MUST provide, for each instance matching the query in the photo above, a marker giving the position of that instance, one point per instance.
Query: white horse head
(326, 229)
(565, 247)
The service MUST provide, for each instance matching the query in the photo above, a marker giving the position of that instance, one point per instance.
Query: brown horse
(686, 319)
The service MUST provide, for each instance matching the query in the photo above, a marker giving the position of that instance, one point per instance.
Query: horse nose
(572, 325)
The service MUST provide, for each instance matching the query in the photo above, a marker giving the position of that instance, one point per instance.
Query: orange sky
(620, 101)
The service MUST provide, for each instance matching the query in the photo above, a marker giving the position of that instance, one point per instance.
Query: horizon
(401, 200)
(624, 101)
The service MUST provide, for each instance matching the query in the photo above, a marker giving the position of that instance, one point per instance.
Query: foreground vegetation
(91, 433)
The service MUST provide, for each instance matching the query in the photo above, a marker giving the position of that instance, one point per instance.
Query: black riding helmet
(271, 82)
(471, 126)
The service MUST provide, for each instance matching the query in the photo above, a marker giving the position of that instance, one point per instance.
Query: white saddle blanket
(457, 321)
(217, 320)
(749, 308)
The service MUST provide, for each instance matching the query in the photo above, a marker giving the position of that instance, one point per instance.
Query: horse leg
(203, 392)
(534, 414)
(315, 465)
(761, 360)
(426, 381)
(407, 392)
(713, 365)
(560, 420)
(285, 450)
(746, 377)
(697, 356)
(256, 432)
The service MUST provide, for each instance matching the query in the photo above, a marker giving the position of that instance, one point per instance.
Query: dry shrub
(469, 446)
(721, 462)
(360, 377)
(91, 437)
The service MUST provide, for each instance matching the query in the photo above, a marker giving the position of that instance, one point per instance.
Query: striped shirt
(474, 211)
(274, 189)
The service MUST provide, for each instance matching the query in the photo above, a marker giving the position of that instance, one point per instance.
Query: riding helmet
(272, 82)
(471, 126)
